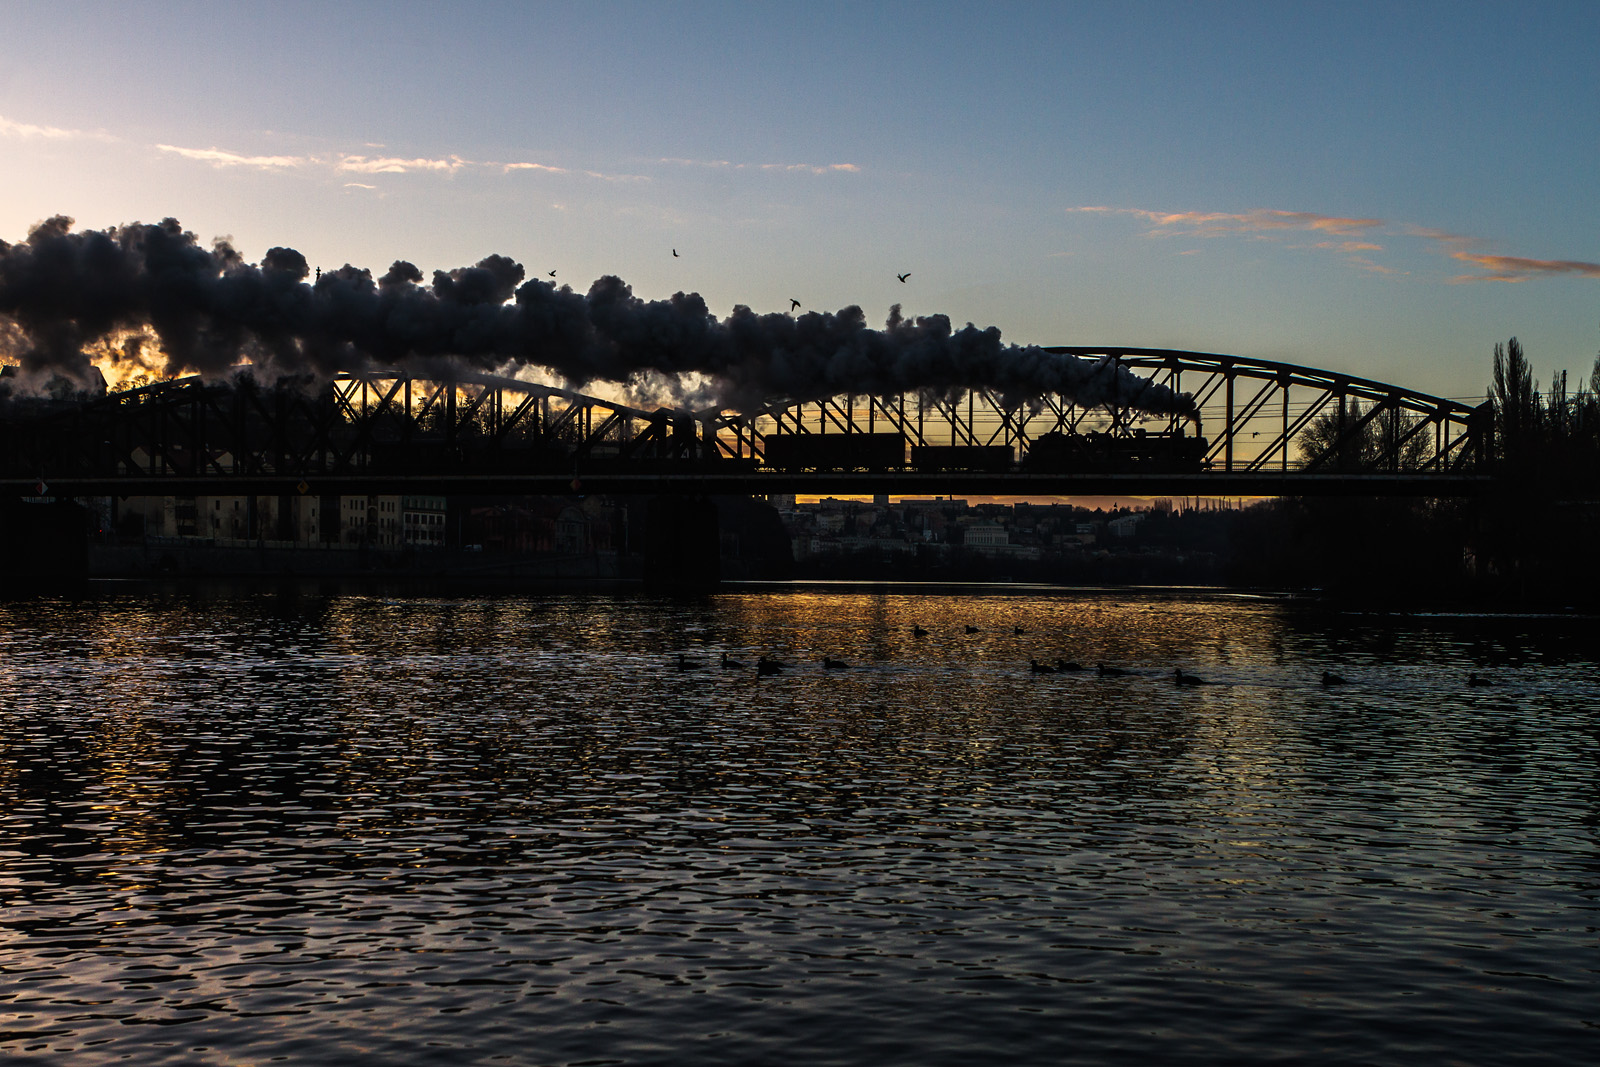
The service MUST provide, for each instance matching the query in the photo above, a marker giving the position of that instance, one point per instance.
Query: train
(1140, 451)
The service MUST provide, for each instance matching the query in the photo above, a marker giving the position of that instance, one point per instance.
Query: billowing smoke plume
(66, 297)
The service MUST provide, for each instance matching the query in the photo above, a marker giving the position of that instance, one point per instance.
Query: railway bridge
(1254, 428)
(1257, 428)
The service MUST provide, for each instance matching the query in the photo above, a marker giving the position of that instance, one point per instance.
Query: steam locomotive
(1052, 453)
(1140, 452)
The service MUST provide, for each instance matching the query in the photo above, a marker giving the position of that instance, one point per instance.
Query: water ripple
(347, 829)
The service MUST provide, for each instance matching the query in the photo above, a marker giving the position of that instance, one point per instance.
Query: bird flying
(674, 253)
(794, 305)
(903, 277)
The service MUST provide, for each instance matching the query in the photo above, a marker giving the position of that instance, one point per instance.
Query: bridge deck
(756, 483)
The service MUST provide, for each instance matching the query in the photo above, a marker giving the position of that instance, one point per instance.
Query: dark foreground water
(240, 828)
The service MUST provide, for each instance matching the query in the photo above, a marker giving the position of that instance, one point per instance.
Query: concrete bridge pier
(44, 548)
(683, 548)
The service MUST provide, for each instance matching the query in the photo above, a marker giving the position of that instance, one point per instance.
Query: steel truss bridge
(1263, 429)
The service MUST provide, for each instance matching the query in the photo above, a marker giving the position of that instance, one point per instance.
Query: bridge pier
(44, 548)
(683, 547)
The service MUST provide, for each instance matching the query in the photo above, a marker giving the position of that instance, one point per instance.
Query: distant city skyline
(1386, 190)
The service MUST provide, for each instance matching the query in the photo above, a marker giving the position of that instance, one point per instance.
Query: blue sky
(1383, 189)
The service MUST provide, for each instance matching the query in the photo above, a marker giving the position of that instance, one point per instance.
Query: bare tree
(1344, 438)
(1515, 396)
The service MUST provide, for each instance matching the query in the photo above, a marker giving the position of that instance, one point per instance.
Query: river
(337, 827)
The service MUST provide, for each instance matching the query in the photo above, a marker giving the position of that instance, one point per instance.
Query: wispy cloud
(1443, 237)
(219, 158)
(1358, 237)
(28, 131)
(600, 176)
(12, 128)
(507, 168)
(1375, 268)
(1261, 224)
(373, 165)
(1222, 223)
(1520, 269)
(1349, 246)
(369, 166)
(365, 163)
(1493, 267)
(803, 168)
(811, 168)
(395, 165)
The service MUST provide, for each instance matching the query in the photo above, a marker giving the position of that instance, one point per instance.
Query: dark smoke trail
(63, 294)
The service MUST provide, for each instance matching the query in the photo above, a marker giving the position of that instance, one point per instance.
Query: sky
(1385, 190)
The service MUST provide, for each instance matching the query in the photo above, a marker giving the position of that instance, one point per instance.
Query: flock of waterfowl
(767, 665)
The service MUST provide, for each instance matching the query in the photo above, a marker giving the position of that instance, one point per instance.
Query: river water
(243, 826)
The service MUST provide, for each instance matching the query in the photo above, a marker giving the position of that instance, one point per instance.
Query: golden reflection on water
(938, 704)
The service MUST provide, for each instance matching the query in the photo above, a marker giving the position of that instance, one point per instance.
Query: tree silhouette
(1515, 396)
(1554, 435)
(1342, 441)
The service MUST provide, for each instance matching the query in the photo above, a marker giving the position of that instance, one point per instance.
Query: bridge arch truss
(1257, 418)
(1256, 415)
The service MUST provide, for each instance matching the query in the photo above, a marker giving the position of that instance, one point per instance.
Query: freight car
(834, 451)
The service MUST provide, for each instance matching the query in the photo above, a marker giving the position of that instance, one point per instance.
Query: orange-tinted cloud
(1520, 269)
(1268, 224)
(1376, 268)
(1262, 224)
(1444, 237)
(1219, 223)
